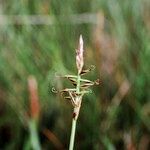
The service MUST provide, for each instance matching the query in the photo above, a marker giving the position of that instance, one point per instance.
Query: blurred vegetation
(117, 114)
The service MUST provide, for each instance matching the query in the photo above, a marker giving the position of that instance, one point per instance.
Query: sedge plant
(34, 113)
(81, 85)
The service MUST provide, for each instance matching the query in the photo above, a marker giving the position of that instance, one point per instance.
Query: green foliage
(110, 118)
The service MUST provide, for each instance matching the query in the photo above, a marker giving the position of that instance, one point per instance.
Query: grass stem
(72, 137)
(74, 119)
(34, 135)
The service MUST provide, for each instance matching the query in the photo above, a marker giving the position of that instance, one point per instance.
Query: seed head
(34, 100)
(79, 55)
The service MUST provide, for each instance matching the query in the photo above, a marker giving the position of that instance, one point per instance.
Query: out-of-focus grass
(110, 118)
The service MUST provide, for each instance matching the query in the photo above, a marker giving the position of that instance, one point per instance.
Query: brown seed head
(34, 100)
(79, 55)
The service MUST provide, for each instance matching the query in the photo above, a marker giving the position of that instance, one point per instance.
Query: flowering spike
(79, 55)
(81, 42)
(34, 99)
(81, 87)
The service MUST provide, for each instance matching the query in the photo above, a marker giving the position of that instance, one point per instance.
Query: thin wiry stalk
(74, 119)
(81, 87)
(34, 135)
(73, 131)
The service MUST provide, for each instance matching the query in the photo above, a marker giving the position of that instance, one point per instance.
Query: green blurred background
(39, 38)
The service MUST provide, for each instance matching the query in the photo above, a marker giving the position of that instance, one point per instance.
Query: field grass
(116, 115)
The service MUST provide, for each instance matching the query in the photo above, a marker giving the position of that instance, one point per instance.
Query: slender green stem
(34, 135)
(73, 130)
(74, 120)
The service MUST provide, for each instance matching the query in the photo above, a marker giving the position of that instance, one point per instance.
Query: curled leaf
(97, 82)
(67, 90)
(92, 67)
(73, 80)
(87, 85)
(85, 92)
(54, 90)
(67, 97)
